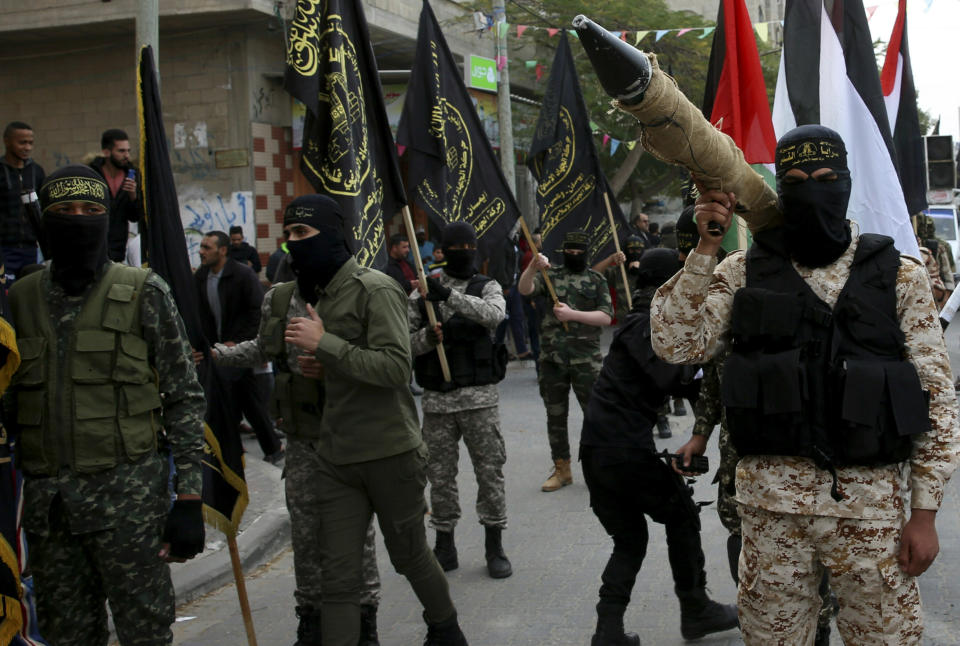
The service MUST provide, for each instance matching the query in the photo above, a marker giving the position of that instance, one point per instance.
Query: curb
(258, 543)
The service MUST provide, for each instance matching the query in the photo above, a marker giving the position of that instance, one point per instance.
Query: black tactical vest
(473, 357)
(805, 380)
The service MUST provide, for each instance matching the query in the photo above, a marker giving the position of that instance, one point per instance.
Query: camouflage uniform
(569, 359)
(299, 473)
(791, 524)
(94, 537)
(470, 413)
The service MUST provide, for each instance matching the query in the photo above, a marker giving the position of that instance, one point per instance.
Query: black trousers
(623, 491)
(251, 402)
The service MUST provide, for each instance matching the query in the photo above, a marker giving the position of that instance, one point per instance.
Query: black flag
(564, 161)
(224, 488)
(348, 150)
(11, 613)
(453, 173)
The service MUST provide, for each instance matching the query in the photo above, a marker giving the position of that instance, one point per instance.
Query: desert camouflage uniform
(94, 537)
(790, 521)
(933, 275)
(569, 359)
(299, 473)
(470, 413)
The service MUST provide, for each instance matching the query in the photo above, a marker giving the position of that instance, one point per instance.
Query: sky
(932, 30)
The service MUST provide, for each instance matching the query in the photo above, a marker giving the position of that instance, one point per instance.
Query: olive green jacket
(365, 350)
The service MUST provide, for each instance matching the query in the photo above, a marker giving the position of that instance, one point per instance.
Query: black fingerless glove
(184, 529)
(432, 337)
(437, 292)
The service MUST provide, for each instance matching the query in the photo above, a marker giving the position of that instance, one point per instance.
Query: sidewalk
(264, 532)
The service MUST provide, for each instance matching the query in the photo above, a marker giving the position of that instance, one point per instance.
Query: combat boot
(308, 630)
(663, 427)
(368, 626)
(610, 629)
(446, 551)
(445, 633)
(699, 615)
(561, 476)
(679, 410)
(498, 565)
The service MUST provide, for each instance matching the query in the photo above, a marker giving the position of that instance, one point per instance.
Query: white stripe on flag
(892, 100)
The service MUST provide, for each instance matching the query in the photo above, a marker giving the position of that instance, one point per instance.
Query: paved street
(558, 550)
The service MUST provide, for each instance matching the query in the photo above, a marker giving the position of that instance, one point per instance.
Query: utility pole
(507, 159)
(148, 30)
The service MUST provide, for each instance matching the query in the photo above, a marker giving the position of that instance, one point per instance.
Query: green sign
(482, 73)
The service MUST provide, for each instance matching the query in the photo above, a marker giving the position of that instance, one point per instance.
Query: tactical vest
(805, 380)
(298, 400)
(474, 359)
(108, 392)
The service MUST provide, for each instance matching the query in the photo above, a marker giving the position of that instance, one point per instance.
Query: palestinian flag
(735, 98)
(828, 75)
(900, 96)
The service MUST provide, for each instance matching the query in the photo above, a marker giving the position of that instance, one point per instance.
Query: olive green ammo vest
(109, 393)
(298, 400)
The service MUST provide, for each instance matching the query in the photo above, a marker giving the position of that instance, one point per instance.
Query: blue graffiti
(220, 217)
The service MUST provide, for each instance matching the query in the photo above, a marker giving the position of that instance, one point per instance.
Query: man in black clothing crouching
(628, 481)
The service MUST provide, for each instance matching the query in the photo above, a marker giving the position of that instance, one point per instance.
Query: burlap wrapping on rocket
(676, 132)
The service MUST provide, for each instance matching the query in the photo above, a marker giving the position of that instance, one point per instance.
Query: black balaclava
(573, 240)
(688, 236)
(656, 268)
(77, 244)
(461, 263)
(315, 260)
(814, 212)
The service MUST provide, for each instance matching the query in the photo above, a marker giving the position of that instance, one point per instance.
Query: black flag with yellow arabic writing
(348, 149)
(225, 494)
(453, 173)
(11, 612)
(564, 161)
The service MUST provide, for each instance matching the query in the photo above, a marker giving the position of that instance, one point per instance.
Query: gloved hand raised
(437, 292)
(183, 534)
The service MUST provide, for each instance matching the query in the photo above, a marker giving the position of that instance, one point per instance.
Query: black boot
(498, 565)
(679, 410)
(663, 426)
(610, 631)
(308, 630)
(734, 544)
(368, 626)
(700, 616)
(823, 636)
(446, 551)
(445, 633)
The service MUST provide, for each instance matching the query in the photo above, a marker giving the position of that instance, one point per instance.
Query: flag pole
(241, 589)
(616, 243)
(543, 272)
(422, 276)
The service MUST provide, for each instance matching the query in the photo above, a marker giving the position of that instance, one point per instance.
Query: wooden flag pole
(543, 272)
(616, 243)
(241, 590)
(431, 314)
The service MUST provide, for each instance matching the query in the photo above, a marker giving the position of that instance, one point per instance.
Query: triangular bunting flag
(661, 33)
(707, 32)
(614, 144)
(763, 31)
(683, 31)
(640, 36)
(520, 30)
(552, 31)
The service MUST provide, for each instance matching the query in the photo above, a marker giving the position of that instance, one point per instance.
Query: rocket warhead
(624, 71)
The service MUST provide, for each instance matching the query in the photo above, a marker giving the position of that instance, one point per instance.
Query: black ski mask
(814, 210)
(76, 244)
(575, 241)
(317, 259)
(461, 263)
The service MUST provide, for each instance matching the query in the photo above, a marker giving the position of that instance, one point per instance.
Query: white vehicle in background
(945, 219)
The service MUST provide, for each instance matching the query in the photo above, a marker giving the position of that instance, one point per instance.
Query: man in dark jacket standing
(242, 251)
(230, 299)
(126, 203)
(628, 482)
(20, 180)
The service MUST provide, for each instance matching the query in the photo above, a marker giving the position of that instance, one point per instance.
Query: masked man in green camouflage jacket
(568, 357)
(469, 308)
(104, 360)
